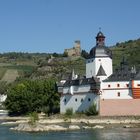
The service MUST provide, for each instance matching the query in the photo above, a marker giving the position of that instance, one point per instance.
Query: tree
(3, 87)
(32, 96)
(65, 54)
(84, 54)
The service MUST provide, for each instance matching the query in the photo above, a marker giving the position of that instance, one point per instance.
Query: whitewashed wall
(78, 102)
(112, 91)
(93, 65)
(76, 89)
(90, 67)
(106, 63)
(137, 83)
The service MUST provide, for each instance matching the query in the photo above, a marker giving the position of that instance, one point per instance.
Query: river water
(98, 134)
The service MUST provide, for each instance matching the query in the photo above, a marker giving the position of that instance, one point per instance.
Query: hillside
(42, 65)
(60, 67)
(130, 50)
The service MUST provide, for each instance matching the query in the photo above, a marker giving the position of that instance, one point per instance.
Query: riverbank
(57, 123)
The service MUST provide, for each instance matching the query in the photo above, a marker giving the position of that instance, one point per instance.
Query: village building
(114, 93)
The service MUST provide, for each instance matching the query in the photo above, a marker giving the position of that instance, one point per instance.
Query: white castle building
(115, 93)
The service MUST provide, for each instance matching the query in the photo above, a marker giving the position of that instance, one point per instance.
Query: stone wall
(119, 107)
(75, 51)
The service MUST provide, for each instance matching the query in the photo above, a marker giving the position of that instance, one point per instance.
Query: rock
(86, 127)
(74, 127)
(38, 127)
(127, 126)
(55, 128)
(98, 126)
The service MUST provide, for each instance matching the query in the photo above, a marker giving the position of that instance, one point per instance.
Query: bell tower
(100, 39)
(100, 62)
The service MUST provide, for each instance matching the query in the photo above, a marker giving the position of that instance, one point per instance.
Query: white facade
(79, 98)
(116, 90)
(93, 65)
(78, 102)
(76, 89)
(137, 83)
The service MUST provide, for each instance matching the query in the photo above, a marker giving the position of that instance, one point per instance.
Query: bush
(33, 118)
(91, 110)
(69, 112)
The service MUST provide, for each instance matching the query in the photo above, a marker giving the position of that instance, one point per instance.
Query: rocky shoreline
(54, 124)
(51, 127)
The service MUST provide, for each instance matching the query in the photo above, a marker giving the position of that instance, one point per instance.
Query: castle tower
(77, 47)
(100, 62)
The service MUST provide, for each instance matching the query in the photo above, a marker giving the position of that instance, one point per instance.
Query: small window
(127, 85)
(118, 85)
(99, 59)
(76, 100)
(65, 100)
(108, 85)
(118, 94)
(89, 99)
(82, 100)
(138, 85)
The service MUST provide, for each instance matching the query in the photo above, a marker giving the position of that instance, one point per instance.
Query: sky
(53, 25)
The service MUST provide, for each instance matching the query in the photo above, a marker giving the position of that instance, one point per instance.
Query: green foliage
(65, 54)
(32, 96)
(69, 112)
(85, 54)
(33, 118)
(130, 50)
(3, 87)
(91, 110)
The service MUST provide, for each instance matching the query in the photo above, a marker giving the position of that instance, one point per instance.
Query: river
(96, 134)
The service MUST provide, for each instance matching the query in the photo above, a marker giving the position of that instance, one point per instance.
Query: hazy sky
(53, 25)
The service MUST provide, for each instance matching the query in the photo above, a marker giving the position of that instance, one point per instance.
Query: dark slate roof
(100, 51)
(119, 76)
(84, 81)
(123, 73)
(101, 71)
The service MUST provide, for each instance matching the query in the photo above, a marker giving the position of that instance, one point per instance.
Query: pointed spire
(73, 75)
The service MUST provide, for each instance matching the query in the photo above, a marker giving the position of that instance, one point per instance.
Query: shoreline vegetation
(62, 123)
